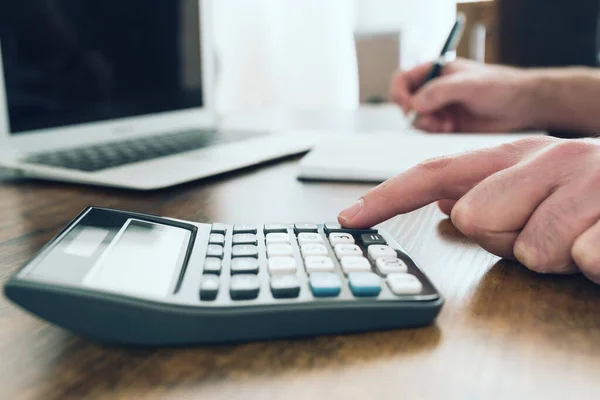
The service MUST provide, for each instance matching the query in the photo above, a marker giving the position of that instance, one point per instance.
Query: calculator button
(244, 238)
(209, 287)
(355, 264)
(305, 227)
(318, 264)
(273, 228)
(344, 250)
(333, 227)
(277, 237)
(216, 238)
(404, 284)
(214, 250)
(390, 265)
(313, 249)
(244, 229)
(219, 228)
(244, 265)
(212, 265)
(244, 287)
(244, 250)
(364, 284)
(341, 238)
(282, 265)
(368, 239)
(285, 286)
(308, 237)
(325, 284)
(279, 250)
(378, 250)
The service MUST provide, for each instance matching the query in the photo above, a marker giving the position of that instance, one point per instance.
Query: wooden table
(504, 332)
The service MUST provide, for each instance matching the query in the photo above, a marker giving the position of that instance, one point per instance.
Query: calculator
(137, 279)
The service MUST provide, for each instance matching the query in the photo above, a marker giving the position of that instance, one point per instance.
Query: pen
(447, 55)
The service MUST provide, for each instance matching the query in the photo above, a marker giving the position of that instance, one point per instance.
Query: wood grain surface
(504, 332)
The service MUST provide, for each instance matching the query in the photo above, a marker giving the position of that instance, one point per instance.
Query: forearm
(566, 99)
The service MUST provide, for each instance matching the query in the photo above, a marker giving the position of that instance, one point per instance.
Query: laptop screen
(70, 61)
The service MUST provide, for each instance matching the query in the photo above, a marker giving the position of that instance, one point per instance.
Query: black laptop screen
(77, 61)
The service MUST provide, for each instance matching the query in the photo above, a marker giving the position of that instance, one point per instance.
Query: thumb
(442, 92)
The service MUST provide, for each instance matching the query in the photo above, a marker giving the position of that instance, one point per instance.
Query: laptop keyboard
(115, 154)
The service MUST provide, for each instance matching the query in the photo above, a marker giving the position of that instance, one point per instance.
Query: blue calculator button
(364, 284)
(325, 284)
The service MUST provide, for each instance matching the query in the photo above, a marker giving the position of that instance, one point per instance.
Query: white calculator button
(282, 265)
(244, 238)
(345, 250)
(355, 264)
(279, 250)
(214, 250)
(244, 250)
(313, 249)
(309, 237)
(390, 265)
(216, 238)
(380, 250)
(277, 237)
(341, 238)
(318, 264)
(404, 284)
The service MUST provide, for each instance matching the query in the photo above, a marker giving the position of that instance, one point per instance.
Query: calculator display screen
(143, 258)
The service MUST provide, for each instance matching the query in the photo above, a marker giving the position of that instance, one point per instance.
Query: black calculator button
(244, 229)
(219, 228)
(217, 238)
(212, 265)
(333, 227)
(244, 250)
(376, 251)
(305, 227)
(245, 238)
(279, 250)
(274, 228)
(390, 265)
(244, 287)
(209, 287)
(282, 265)
(364, 284)
(368, 239)
(285, 286)
(341, 238)
(404, 284)
(214, 250)
(352, 264)
(244, 265)
(325, 284)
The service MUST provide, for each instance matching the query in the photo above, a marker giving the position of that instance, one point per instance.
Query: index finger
(404, 83)
(448, 177)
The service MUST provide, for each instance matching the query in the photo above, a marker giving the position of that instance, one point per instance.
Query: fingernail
(525, 254)
(351, 212)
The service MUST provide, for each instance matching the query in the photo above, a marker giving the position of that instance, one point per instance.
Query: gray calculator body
(138, 279)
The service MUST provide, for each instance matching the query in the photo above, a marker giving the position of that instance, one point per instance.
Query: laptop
(118, 93)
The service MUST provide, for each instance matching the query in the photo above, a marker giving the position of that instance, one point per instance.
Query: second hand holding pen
(447, 55)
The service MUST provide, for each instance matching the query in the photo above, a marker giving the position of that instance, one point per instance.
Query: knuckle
(436, 164)
(567, 149)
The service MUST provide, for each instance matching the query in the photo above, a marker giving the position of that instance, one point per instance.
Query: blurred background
(338, 54)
